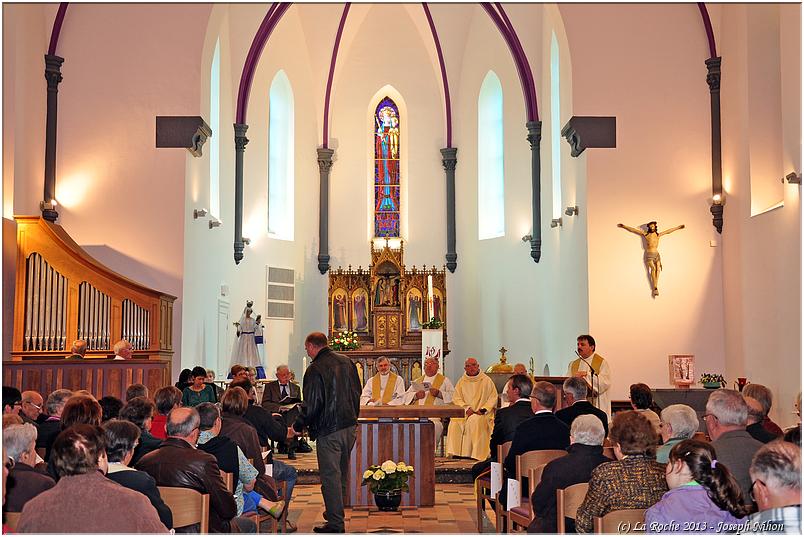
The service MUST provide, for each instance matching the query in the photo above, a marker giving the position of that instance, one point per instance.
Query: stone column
(535, 139)
(450, 160)
(240, 148)
(324, 166)
(53, 77)
(713, 80)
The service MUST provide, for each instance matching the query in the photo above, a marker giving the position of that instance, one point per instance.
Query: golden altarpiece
(386, 306)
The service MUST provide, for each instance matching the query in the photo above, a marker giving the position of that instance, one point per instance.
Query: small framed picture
(682, 369)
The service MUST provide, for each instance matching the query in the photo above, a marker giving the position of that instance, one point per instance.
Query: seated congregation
(74, 464)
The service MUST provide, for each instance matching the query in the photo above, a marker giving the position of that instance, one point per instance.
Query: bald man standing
(477, 394)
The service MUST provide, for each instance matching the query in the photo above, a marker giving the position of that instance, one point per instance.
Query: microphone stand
(595, 395)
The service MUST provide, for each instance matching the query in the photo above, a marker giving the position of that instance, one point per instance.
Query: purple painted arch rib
(521, 67)
(443, 66)
(270, 21)
(710, 35)
(335, 46)
(523, 58)
(54, 34)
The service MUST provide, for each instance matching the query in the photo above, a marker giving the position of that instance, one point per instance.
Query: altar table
(397, 433)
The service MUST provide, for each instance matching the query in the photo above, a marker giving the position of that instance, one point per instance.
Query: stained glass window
(386, 169)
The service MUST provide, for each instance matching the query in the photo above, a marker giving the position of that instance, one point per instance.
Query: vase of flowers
(387, 482)
(713, 381)
(345, 341)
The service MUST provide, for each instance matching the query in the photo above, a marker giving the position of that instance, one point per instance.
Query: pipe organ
(63, 294)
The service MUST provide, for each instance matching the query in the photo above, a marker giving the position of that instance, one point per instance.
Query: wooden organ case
(63, 294)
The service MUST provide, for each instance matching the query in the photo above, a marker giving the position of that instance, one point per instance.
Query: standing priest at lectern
(601, 380)
(437, 390)
(384, 388)
(476, 393)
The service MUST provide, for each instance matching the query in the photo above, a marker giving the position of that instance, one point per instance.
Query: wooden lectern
(397, 433)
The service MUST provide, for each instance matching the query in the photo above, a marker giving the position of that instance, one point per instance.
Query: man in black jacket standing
(329, 411)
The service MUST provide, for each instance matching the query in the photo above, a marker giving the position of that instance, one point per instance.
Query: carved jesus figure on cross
(653, 261)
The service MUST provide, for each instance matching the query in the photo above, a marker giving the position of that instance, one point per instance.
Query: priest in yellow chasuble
(477, 394)
(601, 381)
(384, 388)
(431, 389)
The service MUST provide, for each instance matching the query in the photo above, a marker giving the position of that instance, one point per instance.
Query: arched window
(490, 169)
(386, 169)
(280, 158)
(555, 125)
(215, 125)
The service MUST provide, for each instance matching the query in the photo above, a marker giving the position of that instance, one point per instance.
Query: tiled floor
(454, 512)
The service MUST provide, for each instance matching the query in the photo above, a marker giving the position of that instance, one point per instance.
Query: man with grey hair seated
(24, 482)
(575, 403)
(177, 463)
(678, 422)
(776, 476)
(78, 350)
(51, 427)
(123, 350)
(726, 417)
(584, 455)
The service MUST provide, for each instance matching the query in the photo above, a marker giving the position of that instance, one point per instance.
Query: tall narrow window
(280, 158)
(555, 125)
(490, 168)
(386, 169)
(215, 141)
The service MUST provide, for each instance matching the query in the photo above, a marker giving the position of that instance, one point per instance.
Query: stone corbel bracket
(189, 132)
(583, 132)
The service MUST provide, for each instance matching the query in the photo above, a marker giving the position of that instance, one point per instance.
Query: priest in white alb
(477, 394)
(384, 388)
(436, 390)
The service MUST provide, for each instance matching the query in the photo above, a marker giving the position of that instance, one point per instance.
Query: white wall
(762, 264)
(644, 64)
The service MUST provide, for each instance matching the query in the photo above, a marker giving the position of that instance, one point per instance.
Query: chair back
(532, 459)
(188, 506)
(568, 500)
(534, 478)
(502, 451)
(609, 452)
(622, 521)
(700, 436)
(12, 519)
(228, 480)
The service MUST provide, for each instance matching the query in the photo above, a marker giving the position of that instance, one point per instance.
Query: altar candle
(430, 295)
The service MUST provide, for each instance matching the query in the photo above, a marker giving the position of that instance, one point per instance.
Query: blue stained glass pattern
(386, 169)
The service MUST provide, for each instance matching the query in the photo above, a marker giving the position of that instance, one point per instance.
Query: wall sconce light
(792, 178)
(246, 241)
(570, 211)
(199, 213)
(214, 222)
(527, 238)
(48, 209)
(718, 201)
(555, 222)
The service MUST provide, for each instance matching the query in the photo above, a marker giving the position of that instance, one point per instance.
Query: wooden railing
(63, 294)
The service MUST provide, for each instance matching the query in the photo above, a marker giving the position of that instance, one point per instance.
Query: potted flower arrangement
(387, 482)
(345, 341)
(433, 324)
(712, 380)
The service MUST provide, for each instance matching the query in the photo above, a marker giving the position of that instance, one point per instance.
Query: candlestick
(430, 296)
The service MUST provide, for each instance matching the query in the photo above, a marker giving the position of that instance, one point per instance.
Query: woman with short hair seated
(679, 423)
(634, 481)
(24, 482)
(84, 501)
(121, 438)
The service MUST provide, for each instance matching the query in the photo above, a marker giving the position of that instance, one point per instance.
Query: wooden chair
(188, 507)
(524, 463)
(483, 485)
(568, 501)
(609, 452)
(228, 480)
(700, 436)
(622, 521)
(523, 515)
(12, 519)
